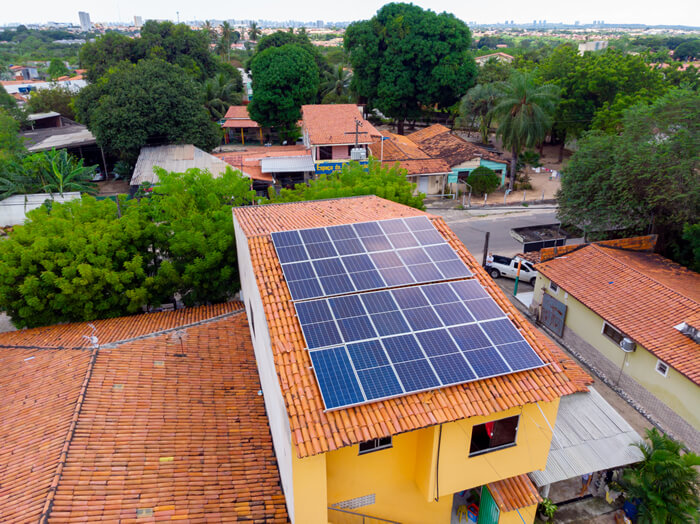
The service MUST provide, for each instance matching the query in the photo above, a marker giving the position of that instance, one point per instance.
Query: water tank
(358, 153)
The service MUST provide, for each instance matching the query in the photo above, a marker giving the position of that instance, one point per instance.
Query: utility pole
(357, 132)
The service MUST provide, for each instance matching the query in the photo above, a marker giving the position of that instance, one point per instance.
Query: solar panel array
(336, 260)
(372, 346)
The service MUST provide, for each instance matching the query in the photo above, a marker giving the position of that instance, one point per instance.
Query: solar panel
(412, 339)
(365, 256)
(338, 384)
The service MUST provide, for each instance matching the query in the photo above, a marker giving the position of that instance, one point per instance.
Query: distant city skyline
(682, 12)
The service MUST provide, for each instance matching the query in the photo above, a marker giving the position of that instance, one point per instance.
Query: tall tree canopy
(57, 98)
(406, 58)
(152, 102)
(646, 179)
(174, 43)
(284, 79)
(280, 38)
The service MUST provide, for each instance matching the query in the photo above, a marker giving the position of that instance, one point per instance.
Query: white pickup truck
(508, 267)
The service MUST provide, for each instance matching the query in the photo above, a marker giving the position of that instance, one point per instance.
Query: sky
(651, 12)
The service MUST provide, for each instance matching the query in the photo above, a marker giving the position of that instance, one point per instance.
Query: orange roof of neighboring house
(249, 160)
(15, 82)
(238, 117)
(484, 58)
(439, 142)
(18, 97)
(17, 67)
(412, 158)
(664, 294)
(514, 493)
(76, 77)
(80, 71)
(316, 431)
(331, 123)
(62, 78)
(169, 425)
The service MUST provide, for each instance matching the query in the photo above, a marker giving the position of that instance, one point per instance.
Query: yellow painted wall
(310, 493)
(513, 517)
(403, 478)
(675, 390)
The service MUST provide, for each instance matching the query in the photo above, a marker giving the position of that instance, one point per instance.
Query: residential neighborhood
(390, 265)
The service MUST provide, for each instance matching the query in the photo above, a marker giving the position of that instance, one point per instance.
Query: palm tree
(337, 81)
(477, 105)
(665, 484)
(209, 31)
(253, 32)
(219, 93)
(15, 181)
(524, 114)
(225, 42)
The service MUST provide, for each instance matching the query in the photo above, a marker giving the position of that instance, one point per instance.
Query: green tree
(337, 82)
(11, 143)
(665, 483)
(524, 114)
(688, 50)
(353, 180)
(220, 93)
(280, 38)
(494, 71)
(56, 98)
(645, 179)
(224, 44)
(284, 78)
(77, 262)
(105, 52)
(476, 106)
(149, 103)
(6, 100)
(406, 58)
(195, 231)
(483, 180)
(57, 68)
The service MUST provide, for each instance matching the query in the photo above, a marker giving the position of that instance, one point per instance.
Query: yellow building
(436, 453)
(634, 316)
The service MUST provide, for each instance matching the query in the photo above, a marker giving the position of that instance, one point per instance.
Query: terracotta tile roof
(664, 294)
(249, 160)
(438, 142)
(329, 123)
(431, 166)
(237, 116)
(170, 426)
(410, 157)
(643, 243)
(315, 431)
(514, 493)
(112, 329)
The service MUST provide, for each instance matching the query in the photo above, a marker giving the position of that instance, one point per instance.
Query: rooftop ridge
(665, 286)
(48, 505)
(274, 204)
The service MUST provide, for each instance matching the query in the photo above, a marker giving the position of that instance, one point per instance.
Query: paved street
(471, 227)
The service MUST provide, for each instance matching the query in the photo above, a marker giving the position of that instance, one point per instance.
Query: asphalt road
(471, 229)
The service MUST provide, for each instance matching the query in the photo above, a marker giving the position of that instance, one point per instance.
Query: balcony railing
(343, 516)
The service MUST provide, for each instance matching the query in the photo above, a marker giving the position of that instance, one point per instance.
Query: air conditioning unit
(627, 345)
(358, 153)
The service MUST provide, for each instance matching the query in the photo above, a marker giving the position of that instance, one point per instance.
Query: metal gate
(423, 184)
(488, 510)
(553, 314)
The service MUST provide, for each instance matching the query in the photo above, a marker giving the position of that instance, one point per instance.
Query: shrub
(483, 180)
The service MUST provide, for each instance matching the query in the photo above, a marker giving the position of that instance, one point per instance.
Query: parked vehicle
(500, 266)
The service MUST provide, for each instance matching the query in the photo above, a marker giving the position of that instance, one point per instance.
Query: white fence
(13, 210)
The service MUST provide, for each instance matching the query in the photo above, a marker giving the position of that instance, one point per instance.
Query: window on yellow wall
(612, 333)
(491, 436)
(375, 445)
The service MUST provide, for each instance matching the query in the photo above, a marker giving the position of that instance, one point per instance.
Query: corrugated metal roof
(589, 436)
(174, 158)
(287, 164)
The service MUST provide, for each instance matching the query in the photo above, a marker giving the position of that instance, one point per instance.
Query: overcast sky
(652, 12)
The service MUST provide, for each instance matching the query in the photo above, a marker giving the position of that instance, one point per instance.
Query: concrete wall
(272, 392)
(13, 210)
(671, 400)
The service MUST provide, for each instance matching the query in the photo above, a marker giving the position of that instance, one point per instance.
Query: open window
(662, 368)
(325, 153)
(491, 436)
(612, 333)
(374, 445)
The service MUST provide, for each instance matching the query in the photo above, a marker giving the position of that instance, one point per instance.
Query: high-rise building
(138, 21)
(319, 23)
(85, 24)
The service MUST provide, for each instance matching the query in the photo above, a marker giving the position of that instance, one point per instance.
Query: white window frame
(553, 287)
(602, 332)
(376, 446)
(662, 363)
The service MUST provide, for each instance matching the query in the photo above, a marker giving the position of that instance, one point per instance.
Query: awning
(287, 164)
(589, 436)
